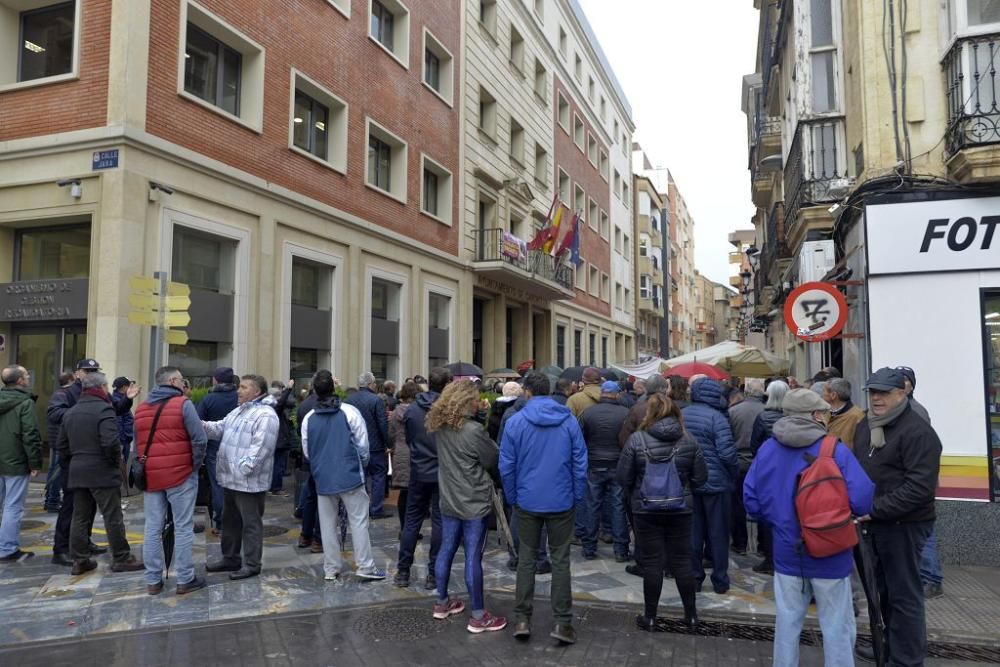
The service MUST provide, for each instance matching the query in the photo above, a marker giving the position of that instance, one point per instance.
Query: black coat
(372, 409)
(65, 398)
(423, 445)
(88, 445)
(905, 470)
(601, 424)
(762, 427)
(217, 403)
(661, 440)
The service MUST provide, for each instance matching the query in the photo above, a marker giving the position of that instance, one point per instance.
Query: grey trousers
(243, 528)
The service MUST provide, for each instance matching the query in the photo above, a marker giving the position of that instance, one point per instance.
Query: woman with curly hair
(467, 472)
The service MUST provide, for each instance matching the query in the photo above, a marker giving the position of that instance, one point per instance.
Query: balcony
(505, 258)
(816, 170)
(768, 133)
(973, 129)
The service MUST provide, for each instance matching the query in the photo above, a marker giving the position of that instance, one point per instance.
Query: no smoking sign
(815, 312)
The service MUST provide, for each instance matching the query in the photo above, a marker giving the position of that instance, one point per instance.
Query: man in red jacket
(169, 434)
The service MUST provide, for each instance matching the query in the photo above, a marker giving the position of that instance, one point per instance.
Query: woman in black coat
(663, 537)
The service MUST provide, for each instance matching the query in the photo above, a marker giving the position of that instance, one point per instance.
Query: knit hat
(591, 375)
(803, 402)
(512, 389)
(224, 375)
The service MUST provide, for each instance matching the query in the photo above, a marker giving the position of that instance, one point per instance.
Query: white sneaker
(332, 577)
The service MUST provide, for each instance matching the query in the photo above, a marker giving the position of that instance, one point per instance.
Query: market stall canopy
(689, 369)
(736, 359)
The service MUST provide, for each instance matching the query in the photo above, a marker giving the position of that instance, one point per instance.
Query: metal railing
(970, 71)
(491, 247)
(816, 168)
(775, 246)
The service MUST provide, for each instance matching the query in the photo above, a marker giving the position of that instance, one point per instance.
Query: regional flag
(546, 232)
(567, 235)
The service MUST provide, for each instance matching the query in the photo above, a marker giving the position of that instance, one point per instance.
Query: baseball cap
(609, 387)
(88, 365)
(885, 379)
(120, 382)
(908, 374)
(224, 375)
(803, 402)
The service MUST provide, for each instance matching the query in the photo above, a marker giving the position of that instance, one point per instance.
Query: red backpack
(823, 506)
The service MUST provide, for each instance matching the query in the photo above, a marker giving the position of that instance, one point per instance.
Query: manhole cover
(399, 624)
(32, 524)
(274, 531)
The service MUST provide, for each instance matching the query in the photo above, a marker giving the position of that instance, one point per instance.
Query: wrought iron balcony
(816, 170)
(774, 244)
(502, 257)
(970, 71)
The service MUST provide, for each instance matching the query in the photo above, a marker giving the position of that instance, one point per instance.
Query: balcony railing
(775, 246)
(970, 71)
(816, 169)
(495, 244)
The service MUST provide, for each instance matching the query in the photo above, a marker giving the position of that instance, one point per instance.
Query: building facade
(682, 278)
(651, 269)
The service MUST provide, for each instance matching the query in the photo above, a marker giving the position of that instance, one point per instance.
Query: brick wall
(337, 53)
(70, 105)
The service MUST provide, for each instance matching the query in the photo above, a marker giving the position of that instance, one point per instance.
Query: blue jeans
(52, 484)
(472, 533)
(604, 491)
(421, 498)
(378, 468)
(836, 618)
(13, 491)
(181, 499)
(278, 471)
(930, 562)
(211, 454)
(581, 520)
(711, 526)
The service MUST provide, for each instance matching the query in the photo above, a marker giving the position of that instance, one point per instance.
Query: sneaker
(335, 577)
(430, 582)
(374, 574)
(564, 632)
(16, 556)
(402, 579)
(449, 608)
(932, 591)
(545, 567)
(488, 623)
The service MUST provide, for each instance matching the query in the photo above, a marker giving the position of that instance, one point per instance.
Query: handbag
(137, 470)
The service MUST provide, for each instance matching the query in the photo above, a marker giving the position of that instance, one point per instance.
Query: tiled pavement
(40, 601)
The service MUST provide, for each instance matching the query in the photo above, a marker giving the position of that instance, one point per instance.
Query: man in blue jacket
(704, 419)
(372, 409)
(543, 465)
(769, 495)
(218, 403)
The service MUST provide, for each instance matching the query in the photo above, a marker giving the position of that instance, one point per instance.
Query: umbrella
(864, 558)
(692, 368)
(574, 373)
(613, 374)
(503, 528)
(551, 370)
(506, 373)
(167, 537)
(737, 359)
(464, 368)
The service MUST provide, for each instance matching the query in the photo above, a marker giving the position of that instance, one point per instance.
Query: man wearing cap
(901, 453)
(769, 495)
(60, 403)
(126, 422)
(600, 425)
(219, 402)
(589, 395)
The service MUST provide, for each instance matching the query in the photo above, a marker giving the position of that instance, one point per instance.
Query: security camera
(75, 191)
(162, 188)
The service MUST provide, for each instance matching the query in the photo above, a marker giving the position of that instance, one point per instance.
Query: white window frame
(395, 177)
(604, 165)
(492, 21)
(516, 152)
(446, 188)
(563, 103)
(605, 287)
(605, 225)
(836, 49)
(251, 71)
(342, 6)
(568, 199)
(541, 175)
(958, 13)
(403, 282)
(541, 86)
(335, 263)
(400, 31)
(446, 67)
(594, 285)
(449, 292)
(592, 149)
(582, 142)
(516, 51)
(593, 214)
(337, 122)
(563, 44)
(15, 15)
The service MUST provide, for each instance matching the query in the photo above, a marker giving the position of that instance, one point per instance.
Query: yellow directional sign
(178, 289)
(178, 319)
(176, 337)
(144, 302)
(143, 319)
(144, 285)
(178, 302)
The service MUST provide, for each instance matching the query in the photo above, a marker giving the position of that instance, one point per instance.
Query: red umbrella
(691, 368)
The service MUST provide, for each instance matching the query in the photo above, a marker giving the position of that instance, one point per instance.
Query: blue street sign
(104, 160)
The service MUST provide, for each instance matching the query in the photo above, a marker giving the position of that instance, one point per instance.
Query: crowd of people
(666, 470)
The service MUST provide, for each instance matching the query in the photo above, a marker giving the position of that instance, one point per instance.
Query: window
(578, 133)
(389, 27)
(563, 186)
(47, 41)
(604, 351)
(63, 252)
(577, 347)
(617, 186)
(644, 287)
(618, 240)
(603, 165)
(619, 304)
(991, 347)
(387, 156)
(614, 135)
(438, 326)
(439, 68)
(627, 247)
(594, 285)
(605, 287)
(311, 312)
(580, 277)
(487, 212)
(592, 214)
(603, 108)
(541, 165)
(540, 8)
(578, 67)
(221, 68)
(593, 348)
(626, 197)
(516, 50)
(605, 225)
(318, 124)
(563, 113)
(823, 57)
(643, 246)
(591, 88)
(579, 200)
(562, 42)
(628, 299)
(435, 193)
(385, 320)
(561, 346)
(983, 12)
(488, 16)
(592, 149)
(487, 113)
(541, 81)
(516, 142)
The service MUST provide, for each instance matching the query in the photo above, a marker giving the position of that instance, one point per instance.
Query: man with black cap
(902, 454)
(60, 403)
(126, 422)
(219, 402)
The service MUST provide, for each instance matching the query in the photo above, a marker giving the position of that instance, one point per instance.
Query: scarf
(877, 424)
(96, 392)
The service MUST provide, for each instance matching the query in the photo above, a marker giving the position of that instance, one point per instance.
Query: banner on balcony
(513, 247)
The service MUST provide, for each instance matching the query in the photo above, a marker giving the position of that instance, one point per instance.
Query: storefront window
(304, 363)
(438, 318)
(62, 252)
(203, 261)
(197, 361)
(305, 283)
(991, 339)
(385, 334)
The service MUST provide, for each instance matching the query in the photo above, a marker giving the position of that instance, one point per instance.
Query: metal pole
(156, 332)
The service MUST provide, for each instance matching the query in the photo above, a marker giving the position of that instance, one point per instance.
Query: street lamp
(753, 257)
(745, 278)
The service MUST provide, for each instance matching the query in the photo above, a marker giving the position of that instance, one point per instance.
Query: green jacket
(20, 442)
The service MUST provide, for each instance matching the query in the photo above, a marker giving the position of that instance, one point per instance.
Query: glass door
(991, 340)
(39, 352)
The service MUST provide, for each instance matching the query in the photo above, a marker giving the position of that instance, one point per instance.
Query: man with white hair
(373, 409)
(741, 418)
(844, 415)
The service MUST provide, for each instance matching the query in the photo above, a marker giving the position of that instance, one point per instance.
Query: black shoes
(545, 567)
(766, 566)
(522, 630)
(83, 567)
(243, 573)
(195, 584)
(222, 566)
(564, 633)
(16, 555)
(430, 582)
(866, 653)
(634, 570)
(62, 559)
(932, 591)
(402, 579)
(96, 550)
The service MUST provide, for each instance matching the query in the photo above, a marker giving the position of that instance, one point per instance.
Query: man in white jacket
(245, 461)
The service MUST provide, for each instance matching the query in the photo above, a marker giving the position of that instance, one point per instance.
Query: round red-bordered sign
(815, 312)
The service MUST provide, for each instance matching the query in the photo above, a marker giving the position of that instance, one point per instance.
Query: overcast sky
(681, 64)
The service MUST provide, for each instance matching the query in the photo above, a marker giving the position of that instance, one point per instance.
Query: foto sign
(815, 312)
(933, 236)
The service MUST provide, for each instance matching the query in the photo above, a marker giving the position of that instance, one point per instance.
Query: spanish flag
(545, 234)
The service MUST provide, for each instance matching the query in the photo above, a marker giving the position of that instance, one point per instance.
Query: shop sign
(933, 236)
(815, 312)
(40, 300)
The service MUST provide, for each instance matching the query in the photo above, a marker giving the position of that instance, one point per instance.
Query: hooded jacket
(762, 427)
(179, 443)
(335, 440)
(20, 442)
(373, 409)
(518, 405)
(769, 495)
(706, 423)
(601, 424)
(905, 470)
(497, 411)
(88, 443)
(423, 447)
(661, 440)
(583, 399)
(400, 450)
(543, 459)
(247, 437)
(467, 471)
(217, 403)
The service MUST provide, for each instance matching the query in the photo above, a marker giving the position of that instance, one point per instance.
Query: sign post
(162, 306)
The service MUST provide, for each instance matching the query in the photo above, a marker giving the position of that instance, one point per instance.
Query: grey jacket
(247, 438)
(741, 419)
(467, 471)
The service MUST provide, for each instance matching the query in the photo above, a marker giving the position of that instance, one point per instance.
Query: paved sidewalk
(42, 601)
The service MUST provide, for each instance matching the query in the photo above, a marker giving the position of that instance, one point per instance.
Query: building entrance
(46, 351)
